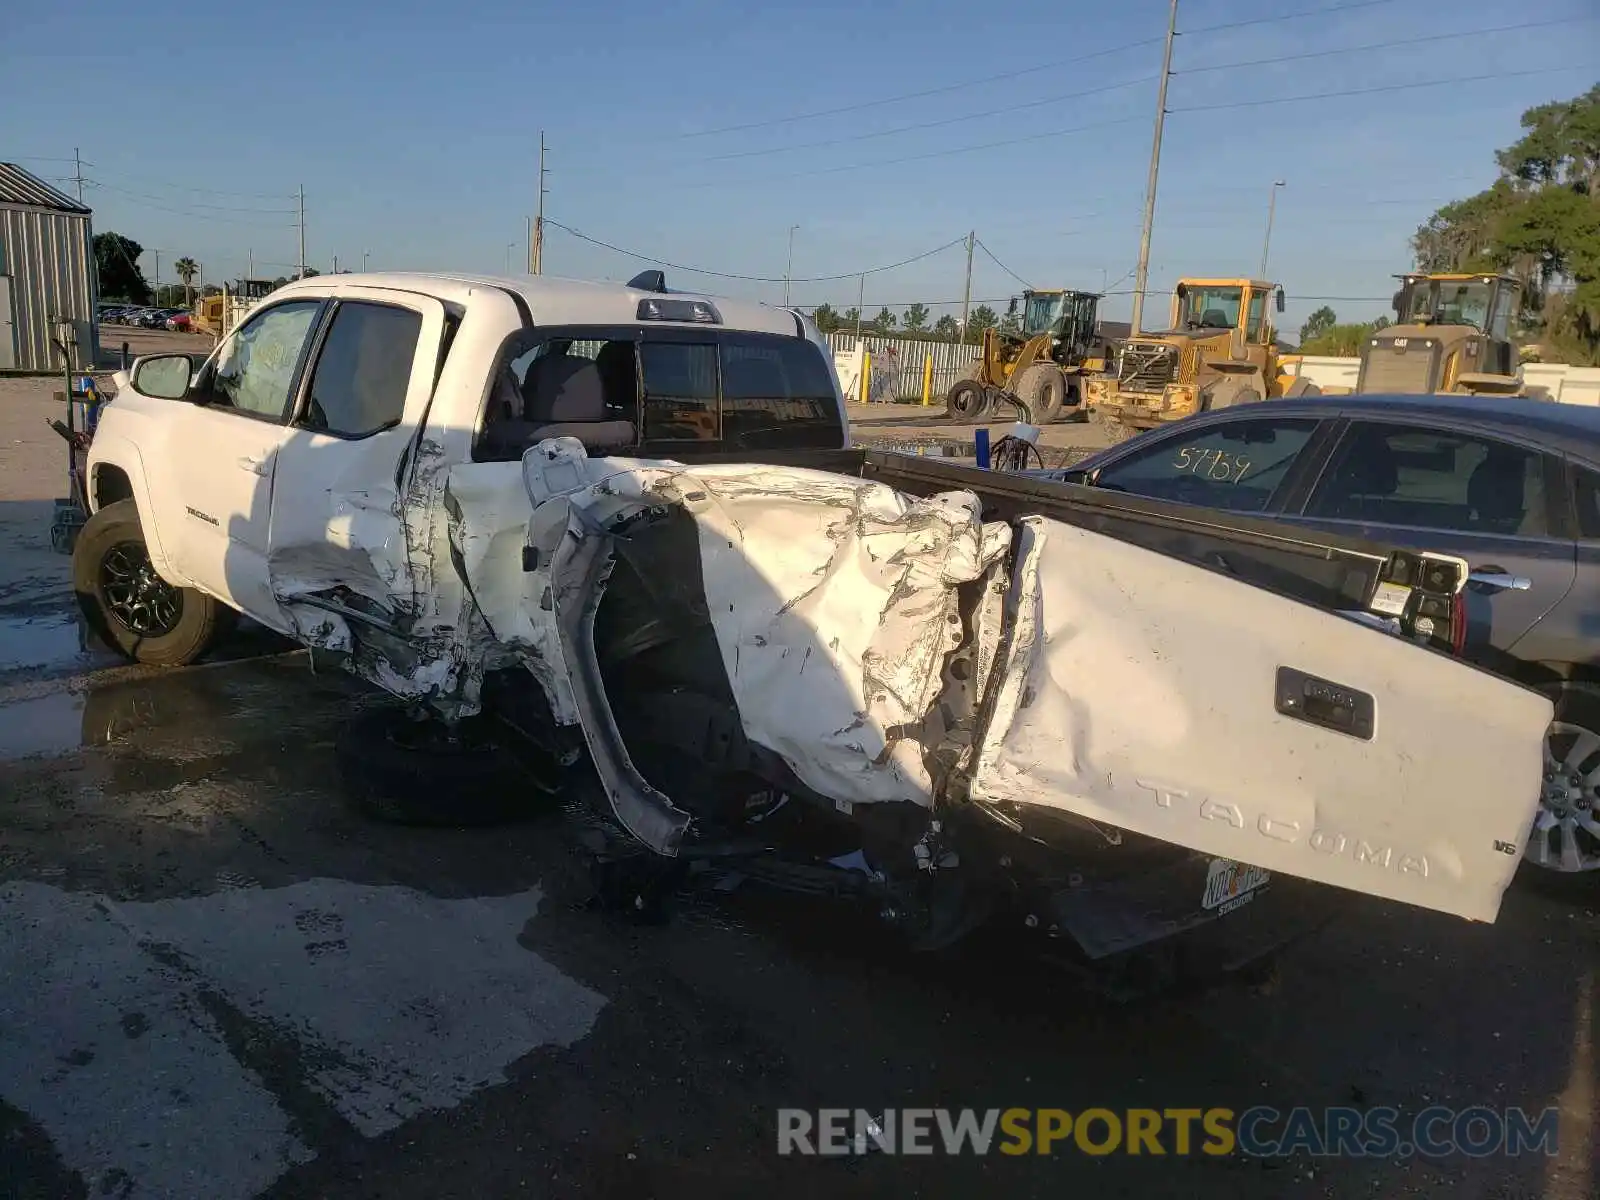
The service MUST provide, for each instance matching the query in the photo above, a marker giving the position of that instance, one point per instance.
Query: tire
(1567, 802)
(1224, 395)
(1043, 388)
(408, 772)
(968, 402)
(128, 605)
(1301, 387)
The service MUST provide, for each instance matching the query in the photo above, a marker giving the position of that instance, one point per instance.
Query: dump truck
(1451, 335)
(1218, 350)
(1042, 364)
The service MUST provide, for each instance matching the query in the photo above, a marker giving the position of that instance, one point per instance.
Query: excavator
(1452, 335)
(1219, 350)
(1042, 364)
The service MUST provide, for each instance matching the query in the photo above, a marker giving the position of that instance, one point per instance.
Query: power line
(945, 89)
(183, 212)
(937, 91)
(1290, 16)
(192, 203)
(889, 162)
(163, 185)
(661, 262)
(1389, 45)
(881, 133)
(1371, 91)
(1002, 265)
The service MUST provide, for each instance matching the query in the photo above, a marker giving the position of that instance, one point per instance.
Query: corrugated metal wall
(50, 260)
(904, 358)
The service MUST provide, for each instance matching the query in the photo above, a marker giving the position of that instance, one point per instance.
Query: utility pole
(536, 242)
(335, 264)
(77, 173)
(1142, 275)
(861, 300)
(157, 253)
(303, 222)
(966, 295)
(1272, 206)
(789, 266)
(250, 268)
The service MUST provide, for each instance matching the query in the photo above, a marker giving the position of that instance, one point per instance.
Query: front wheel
(133, 610)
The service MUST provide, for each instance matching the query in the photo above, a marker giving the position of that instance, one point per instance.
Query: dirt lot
(221, 982)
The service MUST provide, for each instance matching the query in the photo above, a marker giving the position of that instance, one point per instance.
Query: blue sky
(414, 130)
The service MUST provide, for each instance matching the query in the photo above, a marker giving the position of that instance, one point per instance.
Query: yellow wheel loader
(1452, 335)
(1219, 350)
(1042, 364)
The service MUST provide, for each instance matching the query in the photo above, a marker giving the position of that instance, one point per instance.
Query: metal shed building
(47, 273)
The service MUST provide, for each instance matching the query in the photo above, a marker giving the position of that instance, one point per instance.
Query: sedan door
(1464, 492)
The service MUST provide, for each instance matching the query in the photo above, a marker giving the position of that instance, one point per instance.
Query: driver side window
(1236, 466)
(255, 371)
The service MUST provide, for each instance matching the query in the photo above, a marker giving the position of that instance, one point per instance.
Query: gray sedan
(1511, 485)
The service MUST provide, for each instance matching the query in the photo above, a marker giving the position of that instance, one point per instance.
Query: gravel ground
(222, 982)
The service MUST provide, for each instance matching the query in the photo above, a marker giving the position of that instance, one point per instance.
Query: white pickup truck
(622, 526)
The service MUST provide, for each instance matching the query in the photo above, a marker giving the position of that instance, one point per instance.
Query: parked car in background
(1511, 485)
(180, 322)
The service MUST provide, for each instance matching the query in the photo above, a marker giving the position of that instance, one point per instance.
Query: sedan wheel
(1566, 831)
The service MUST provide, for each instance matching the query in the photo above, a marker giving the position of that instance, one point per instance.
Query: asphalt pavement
(221, 981)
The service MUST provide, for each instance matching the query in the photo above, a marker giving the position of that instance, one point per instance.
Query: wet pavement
(222, 982)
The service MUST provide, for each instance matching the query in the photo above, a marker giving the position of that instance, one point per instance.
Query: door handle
(256, 466)
(1495, 580)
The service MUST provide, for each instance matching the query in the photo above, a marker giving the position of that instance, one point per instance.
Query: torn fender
(1147, 693)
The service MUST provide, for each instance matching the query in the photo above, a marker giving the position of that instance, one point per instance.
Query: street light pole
(510, 246)
(365, 254)
(1272, 208)
(788, 268)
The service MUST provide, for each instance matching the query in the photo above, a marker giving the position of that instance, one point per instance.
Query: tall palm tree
(187, 269)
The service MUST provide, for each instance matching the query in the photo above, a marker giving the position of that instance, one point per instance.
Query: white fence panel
(898, 366)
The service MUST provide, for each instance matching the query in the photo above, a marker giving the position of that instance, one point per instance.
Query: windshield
(1042, 313)
(1211, 308)
(1449, 302)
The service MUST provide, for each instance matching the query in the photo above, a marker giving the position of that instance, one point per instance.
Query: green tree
(885, 321)
(116, 261)
(1010, 323)
(1341, 341)
(825, 319)
(916, 319)
(983, 317)
(187, 269)
(851, 316)
(1317, 323)
(947, 328)
(1541, 221)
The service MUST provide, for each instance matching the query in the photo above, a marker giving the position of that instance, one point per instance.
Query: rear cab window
(1588, 498)
(674, 392)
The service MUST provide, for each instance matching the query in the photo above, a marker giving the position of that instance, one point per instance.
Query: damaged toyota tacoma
(618, 534)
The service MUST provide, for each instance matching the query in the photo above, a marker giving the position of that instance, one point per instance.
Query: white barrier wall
(1543, 381)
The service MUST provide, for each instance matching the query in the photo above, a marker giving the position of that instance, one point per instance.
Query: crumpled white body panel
(1140, 691)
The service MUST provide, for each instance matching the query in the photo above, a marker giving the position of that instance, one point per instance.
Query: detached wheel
(1301, 387)
(1043, 388)
(131, 608)
(968, 402)
(1563, 851)
(1228, 396)
(405, 771)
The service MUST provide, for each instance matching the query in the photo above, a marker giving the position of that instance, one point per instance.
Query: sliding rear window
(774, 391)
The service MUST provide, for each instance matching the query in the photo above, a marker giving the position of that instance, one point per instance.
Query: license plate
(1229, 882)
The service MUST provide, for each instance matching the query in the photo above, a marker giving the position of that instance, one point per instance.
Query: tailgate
(1173, 701)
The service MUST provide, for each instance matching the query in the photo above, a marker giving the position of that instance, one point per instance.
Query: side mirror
(1280, 299)
(163, 376)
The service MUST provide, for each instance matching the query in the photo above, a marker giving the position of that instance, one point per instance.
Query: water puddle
(57, 640)
(46, 725)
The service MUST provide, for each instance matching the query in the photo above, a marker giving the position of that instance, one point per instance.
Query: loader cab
(1203, 307)
(1068, 316)
(1482, 302)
